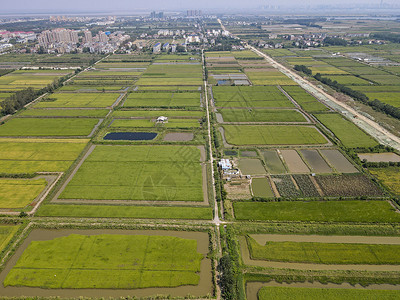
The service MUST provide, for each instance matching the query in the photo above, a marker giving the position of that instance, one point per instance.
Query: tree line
(18, 100)
(357, 95)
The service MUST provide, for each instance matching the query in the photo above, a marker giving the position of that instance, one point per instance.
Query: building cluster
(63, 40)
(167, 32)
(19, 36)
(157, 15)
(165, 47)
(193, 13)
(79, 19)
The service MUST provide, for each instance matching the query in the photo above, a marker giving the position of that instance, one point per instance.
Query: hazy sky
(132, 5)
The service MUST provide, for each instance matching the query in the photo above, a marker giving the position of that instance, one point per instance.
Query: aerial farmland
(239, 165)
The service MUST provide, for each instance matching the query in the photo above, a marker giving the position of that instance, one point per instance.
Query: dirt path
(90, 150)
(51, 178)
(216, 220)
(319, 190)
(95, 128)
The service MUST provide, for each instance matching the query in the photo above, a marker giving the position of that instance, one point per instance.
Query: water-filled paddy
(130, 136)
(197, 242)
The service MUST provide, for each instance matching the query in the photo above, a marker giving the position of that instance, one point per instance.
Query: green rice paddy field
(251, 96)
(40, 155)
(270, 77)
(81, 100)
(390, 177)
(6, 233)
(385, 97)
(90, 88)
(325, 253)
(139, 173)
(143, 123)
(94, 113)
(157, 113)
(291, 293)
(332, 211)
(48, 127)
(18, 193)
(272, 135)
(97, 261)
(163, 99)
(124, 211)
(261, 115)
(30, 78)
(173, 74)
(349, 134)
(261, 188)
(304, 99)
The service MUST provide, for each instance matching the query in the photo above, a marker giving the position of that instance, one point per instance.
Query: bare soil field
(316, 162)
(294, 162)
(379, 157)
(338, 161)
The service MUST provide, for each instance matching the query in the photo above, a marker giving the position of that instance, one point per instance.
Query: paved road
(216, 219)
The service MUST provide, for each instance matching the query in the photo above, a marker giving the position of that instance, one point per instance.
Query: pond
(131, 136)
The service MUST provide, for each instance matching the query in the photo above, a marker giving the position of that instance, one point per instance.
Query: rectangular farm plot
(18, 193)
(294, 161)
(315, 161)
(379, 157)
(250, 96)
(295, 186)
(262, 115)
(281, 293)
(383, 79)
(92, 113)
(390, 177)
(268, 77)
(318, 211)
(348, 79)
(48, 127)
(163, 99)
(71, 100)
(273, 163)
(79, 261)
(324, 253)
(155, 173)
(40, 155)
(347, 132)
(338, 161)
(304, 99)
(172, 74)
(157, 113)
(251, 166)
(273, 135)
(261, 188)
(172, 123)
(6, 233)
(347, 185)
(391, 98)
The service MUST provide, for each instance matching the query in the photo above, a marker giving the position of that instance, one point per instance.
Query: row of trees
(304, 69)
(357, 95)
(388, 36)
(18, 100)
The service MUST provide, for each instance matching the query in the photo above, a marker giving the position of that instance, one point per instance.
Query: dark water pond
(131, 136)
